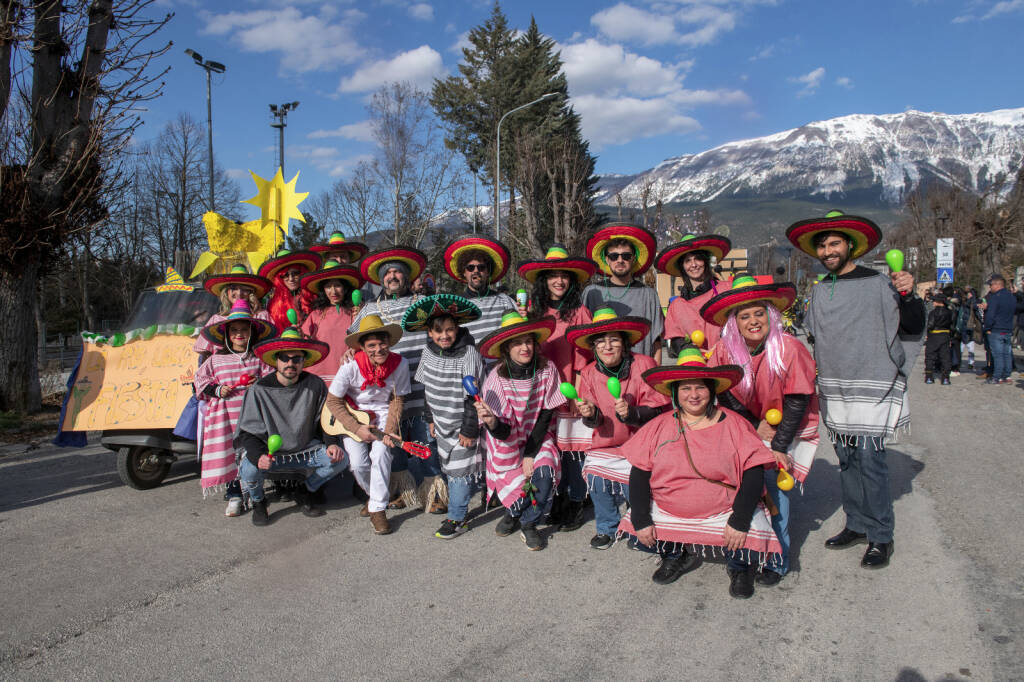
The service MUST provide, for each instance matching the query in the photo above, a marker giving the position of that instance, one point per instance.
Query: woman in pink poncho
(690, 260)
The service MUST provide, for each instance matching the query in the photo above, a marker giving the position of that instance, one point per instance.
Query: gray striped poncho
(635, 299)
(492, 306)
(441, 373)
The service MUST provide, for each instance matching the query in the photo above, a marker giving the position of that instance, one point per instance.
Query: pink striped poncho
(218, 455)
(518, 402)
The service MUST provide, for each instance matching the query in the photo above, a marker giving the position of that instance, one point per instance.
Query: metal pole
(280, 144)
(497, 159)
(209, 135)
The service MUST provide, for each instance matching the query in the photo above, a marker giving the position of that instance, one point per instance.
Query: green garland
(145, 334)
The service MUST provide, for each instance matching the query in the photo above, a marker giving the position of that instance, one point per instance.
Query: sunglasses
(477, 268)
(619, 255)
(292, 274)
(292, 359)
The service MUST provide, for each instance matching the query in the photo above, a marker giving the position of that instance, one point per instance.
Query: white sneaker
(954, 374)
(234, 507)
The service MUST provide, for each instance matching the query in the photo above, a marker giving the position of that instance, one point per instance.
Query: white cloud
(1005, 7)
(713, 21)
(763, 53)
(421, 11)
(460, 42)
(236, 173)
(844, 82)
(419, 67)
(617, 120)
(326, 159)
(361, 132)
(306, 42)
(691, 23)
(593, 67)
(630, 24)
(810, 81)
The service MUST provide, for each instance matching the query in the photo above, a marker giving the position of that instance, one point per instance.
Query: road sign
(945, 276)
(944, 252)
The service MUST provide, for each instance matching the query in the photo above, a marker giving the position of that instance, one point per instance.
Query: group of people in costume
(542, 402)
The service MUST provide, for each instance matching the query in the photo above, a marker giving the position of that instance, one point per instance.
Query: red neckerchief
(376, 374)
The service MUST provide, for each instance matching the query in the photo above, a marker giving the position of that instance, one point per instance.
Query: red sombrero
(495, 250)
(291, 340)
(336, 242)
(691, 365)
(512, 325)
(668, 260)
(284, 259)
(238, 275)
(331, 270)
(643, 241)
(864, 233)
(557, 258)
(415, 259)
(745, 290)
(605, 320)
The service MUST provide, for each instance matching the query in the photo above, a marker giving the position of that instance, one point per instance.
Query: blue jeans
(780, 521)
(460, 491)
(742, 559)
(319, 469)
(864, 477)
(529, 514)
(606, 503)
(1002, 353)
(572, 476)
(415, 429)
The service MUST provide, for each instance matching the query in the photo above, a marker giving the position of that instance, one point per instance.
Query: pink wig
(736, 348)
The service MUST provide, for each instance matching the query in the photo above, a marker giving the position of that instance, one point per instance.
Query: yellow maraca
(773, 417)
(697, 338)
(785, 480)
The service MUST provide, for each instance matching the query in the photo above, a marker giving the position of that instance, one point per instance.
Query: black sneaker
(508, 525)
(929, 380)
(741, 584)
(259, 513)
(601, 541)
(573, 518)
(672, 569)
(768, 578)
(309, 502)
(945, 381)
(451, 529)
(532, 538)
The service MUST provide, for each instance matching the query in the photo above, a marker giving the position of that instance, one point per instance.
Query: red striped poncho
(570, 360)
(518, 402)
(218, 454)
(683, 317)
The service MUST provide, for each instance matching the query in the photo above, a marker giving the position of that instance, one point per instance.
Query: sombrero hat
(605, 320)
(668, 260)
(864, 233)
(512, 325)
(419, 314)
(643, 241)
(239, 275)
(291, 340)
(307, 260)
(332, 269)
(691, 365)
(369, 325)
(495, 250)
(745, 290)
(415, 259)
(557, 258)
(336, 242)
(240, 312)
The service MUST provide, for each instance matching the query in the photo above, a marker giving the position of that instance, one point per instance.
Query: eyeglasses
(619, 255)
(292, 359)
(608, 341)
(476, 268)
(292, 274)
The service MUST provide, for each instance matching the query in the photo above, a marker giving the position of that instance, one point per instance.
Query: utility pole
(497, 158)
(209, 67)
(280, 114)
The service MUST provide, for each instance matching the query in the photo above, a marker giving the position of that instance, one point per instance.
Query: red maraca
(244, 381)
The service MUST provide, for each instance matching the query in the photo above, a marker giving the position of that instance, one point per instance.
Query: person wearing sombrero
(690, 260)
(697, 476)
(376, 381)
(856, 316)
(331, 312)
(479, 262)
(285, 271)
(340, 250)
(558, 280)
(236, 284)
(613, 419)
(287, 403)
(393, 269)
(624, 252)
(220, 383)
(778, 375)
(518, 402)
(449, 357)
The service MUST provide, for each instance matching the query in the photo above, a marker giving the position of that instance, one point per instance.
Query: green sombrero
(692, 365)
(291, 340)
(557, 258)
(239, 274)
(314, 281)
(418, 316)
(864, 233)
(512, 325)
(745, 290)
(605, 320)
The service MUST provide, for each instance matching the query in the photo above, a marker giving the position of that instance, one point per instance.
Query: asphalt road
(103, 582)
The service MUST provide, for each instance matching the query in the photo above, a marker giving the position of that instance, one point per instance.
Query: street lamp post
(497, 159)
(280, 112)
(209, 67)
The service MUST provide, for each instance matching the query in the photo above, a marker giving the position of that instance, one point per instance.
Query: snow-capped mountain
(877, 158)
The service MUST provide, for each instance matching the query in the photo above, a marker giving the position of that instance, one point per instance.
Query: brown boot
(381, 526)
(365, 511)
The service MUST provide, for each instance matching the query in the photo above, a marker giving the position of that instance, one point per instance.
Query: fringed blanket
(609, 464)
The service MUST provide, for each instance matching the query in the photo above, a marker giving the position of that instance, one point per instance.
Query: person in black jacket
(936, 354)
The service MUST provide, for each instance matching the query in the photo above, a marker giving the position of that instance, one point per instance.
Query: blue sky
(651, 80)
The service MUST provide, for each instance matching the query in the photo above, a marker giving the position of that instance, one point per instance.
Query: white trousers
(371, 466)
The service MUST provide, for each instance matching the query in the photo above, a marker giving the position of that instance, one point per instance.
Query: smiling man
(480, 263)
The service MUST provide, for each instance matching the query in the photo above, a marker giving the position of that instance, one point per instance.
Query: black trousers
(936, 354)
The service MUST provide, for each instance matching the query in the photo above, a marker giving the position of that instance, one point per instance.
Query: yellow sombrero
(173, 282)
(369, 325)
(291, 340)
(605, 320)
(745, 290)
(414, 259)
(495, 250)
(864, 233)
(692, 365)
(643, 241)
(512, 325)
(557, 258)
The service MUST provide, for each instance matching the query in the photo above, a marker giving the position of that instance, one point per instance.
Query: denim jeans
(529, 514)
(955, 350)
(572, 476)
(1002, 354)
(460, 491)
(780, 521)
(864, 477)
(319, 469)
(606, 504)
(415, 429)
(742, 559)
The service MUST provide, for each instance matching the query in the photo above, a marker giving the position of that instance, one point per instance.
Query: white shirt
(373, 398)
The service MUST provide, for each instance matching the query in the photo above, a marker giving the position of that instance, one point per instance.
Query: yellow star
(277, 200)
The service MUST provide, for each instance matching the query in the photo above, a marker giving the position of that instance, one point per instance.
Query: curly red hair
(281, 300)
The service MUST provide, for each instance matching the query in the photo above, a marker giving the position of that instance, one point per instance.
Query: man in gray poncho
(287, 404)
(479, 262)
(854, 319)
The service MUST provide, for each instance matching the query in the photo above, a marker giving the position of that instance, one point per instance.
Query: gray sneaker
(532, 538)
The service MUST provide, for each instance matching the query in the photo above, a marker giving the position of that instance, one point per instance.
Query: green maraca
(894, 257)
(568, 390)
(357, 297)
(293, 316)
(273, 445)
(614, 387)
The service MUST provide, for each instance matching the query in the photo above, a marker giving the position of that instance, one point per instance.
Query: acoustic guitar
(332, 427)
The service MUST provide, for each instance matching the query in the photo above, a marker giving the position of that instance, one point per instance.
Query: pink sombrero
(692, 365)
(668, 260)
(314, 281)
(337, 242)
(239, 275)
(495, 250)
(605, 320)
(745, 290)
(240, 312)
(415, 259)
(864, 233)
(291, 340)
(512, 325)
(643, 241)
(557, 258)
(307, 260)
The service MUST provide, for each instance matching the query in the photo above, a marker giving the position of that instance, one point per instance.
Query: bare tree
(355, 206)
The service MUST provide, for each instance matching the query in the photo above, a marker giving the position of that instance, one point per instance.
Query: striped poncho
(518, 403)
(635, 299)
(492, 306)
(441, 373)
